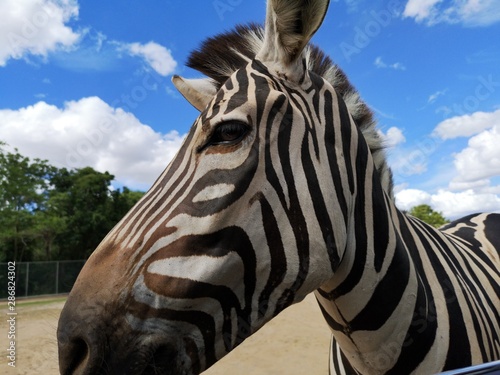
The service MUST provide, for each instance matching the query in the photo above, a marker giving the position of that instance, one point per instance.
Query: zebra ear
(290, 25)
(198, 92)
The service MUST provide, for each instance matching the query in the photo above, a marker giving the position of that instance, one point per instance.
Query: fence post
(27, 277)
(57, 277)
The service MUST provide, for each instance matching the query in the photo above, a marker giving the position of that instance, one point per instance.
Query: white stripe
(227, 270)
(213, 192)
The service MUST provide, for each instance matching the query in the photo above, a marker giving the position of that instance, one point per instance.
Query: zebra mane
(220, 56)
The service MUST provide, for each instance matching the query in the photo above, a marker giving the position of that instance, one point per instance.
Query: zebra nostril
(77, 358)
(162, 361)
(81, 353)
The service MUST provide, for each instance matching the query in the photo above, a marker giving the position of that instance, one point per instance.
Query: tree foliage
(47, 213)
(425, 213)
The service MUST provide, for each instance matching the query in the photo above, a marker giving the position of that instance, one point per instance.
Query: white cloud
(467, 125)
(472, 185)
(477, 185)
(89, 132)
(96, 52)
(467, 12)
(379, 63)
(420, 9)
(452, 204)
(400, 187)
(475, 168)
(40, 27)
(436, 95)
(481, 158)
(35, 27)
(157, 56)
(393, 137)
(455, 205)
(408, 198)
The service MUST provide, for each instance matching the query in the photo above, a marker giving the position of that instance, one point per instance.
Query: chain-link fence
(38, 278)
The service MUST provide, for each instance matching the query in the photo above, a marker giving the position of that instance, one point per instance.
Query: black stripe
(346, 128)
(459, 351)
(295, 98)
(278, 265)
(332, 323)
(329, 140)
(380, 222)
(491, 232)
(387, 295)
(241, 96)
(240, 177)
(261, 98)
(294, 213)
(361, 235)
(320, 209)
(422, 332)
(472, 287)
(172, 185)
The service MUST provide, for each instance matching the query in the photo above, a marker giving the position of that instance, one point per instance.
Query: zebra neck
(368, 323)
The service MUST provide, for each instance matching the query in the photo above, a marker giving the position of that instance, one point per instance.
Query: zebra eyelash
(227, 133)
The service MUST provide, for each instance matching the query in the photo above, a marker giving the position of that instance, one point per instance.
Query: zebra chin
(159, 360)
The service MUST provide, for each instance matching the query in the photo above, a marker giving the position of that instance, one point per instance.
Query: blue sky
(88, 83)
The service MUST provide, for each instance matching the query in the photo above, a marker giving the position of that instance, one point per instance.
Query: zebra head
(248, 218)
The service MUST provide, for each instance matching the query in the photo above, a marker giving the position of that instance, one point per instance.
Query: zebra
(281, 188)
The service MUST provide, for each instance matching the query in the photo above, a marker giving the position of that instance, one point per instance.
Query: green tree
(425, 213)
(24, 186)
(48, 224)
(48, 213)
(91, 208)
(83, 198)
(123, 201)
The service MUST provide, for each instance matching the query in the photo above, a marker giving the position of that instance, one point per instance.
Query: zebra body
(280, 189)
(449, 316)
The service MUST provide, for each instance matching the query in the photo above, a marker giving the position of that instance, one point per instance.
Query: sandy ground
(296, 342)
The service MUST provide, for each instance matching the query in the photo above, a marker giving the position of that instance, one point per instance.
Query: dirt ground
(296, 342)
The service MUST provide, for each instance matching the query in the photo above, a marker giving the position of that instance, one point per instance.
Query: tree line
(50, 213)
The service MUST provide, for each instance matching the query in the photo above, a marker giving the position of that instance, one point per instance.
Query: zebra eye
(228, 133)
